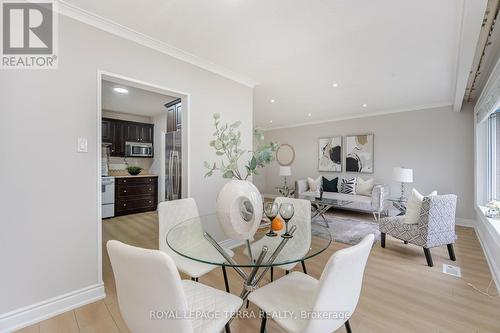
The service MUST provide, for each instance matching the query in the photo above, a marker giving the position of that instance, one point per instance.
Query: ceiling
(137, 101)
(391, 55)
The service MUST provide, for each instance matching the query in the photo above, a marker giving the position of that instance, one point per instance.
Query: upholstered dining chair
(335, 294)
(171, 213)
(296, 247)
(435, 227)
(151, 294)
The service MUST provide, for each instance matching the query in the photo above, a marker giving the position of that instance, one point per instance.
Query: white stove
(108, 196)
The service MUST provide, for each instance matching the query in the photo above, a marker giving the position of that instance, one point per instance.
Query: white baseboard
(465, 222)
(29, 315)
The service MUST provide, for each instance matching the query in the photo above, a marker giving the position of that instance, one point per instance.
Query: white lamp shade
(285, 171)
(402, 175)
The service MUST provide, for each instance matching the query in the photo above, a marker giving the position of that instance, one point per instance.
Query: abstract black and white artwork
(330, 154)
(359, 153)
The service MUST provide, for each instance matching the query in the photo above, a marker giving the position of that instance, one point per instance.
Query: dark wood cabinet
(135, 195)
(174, 115)
(107, 135)
(117, 132)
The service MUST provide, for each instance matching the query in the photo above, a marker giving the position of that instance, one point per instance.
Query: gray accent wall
(436, 143)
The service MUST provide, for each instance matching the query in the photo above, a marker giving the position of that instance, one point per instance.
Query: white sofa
(361, 203)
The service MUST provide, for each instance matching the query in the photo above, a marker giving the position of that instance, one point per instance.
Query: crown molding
(114, 28)
(364, 115)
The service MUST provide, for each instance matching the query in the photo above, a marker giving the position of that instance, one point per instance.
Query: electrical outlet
(452, 270)
(83, 145)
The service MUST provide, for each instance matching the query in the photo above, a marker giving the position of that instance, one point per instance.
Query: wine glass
(271, 211)
(286, 212)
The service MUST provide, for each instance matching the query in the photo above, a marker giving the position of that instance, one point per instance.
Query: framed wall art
(330, 154)
(359, 153)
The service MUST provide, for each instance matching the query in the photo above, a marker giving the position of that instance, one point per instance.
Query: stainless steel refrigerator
(173, 165)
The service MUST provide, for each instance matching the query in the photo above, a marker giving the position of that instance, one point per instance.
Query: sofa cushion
(348, 186)
(364, 187)
(314, 184)
(330, 185)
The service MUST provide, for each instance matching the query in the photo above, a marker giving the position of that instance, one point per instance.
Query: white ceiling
(137, 101)
(393, 55)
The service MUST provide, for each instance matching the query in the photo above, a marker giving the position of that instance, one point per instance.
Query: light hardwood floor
(400, 293)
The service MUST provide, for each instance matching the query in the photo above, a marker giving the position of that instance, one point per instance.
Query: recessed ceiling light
(309, 114)
(272, 101)
(335, 85)
(271, 121)
(120, 90)
(364, 105)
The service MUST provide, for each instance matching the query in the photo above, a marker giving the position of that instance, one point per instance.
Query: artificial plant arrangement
(227, 140)
(134, 170)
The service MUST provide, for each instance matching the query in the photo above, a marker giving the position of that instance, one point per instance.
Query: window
(493, 157)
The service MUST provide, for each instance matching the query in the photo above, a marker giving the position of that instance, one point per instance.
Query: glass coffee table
(198, 239)
(321, 206)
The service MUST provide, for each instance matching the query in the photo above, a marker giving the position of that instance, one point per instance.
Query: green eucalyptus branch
(226, 143)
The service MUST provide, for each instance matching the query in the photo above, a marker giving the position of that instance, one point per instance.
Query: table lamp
(285, 171)
(402, 175)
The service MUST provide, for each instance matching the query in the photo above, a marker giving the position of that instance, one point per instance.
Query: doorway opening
(142, 154)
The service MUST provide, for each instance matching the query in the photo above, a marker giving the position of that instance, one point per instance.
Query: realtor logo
(29, 35)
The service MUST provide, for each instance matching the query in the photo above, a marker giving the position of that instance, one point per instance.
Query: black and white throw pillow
(348, 186)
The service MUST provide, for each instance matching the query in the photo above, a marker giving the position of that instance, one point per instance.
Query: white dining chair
(335, 294)
(298, 246)
(170, 214)
(153, 299)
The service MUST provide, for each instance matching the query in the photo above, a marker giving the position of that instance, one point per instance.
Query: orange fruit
(277, 224)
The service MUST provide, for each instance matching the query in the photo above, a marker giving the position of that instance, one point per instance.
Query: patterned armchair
(436, 226)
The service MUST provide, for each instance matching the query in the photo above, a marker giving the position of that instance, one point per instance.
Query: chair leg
(226, 283)
(405, 242)
(272, 273)
(382, 239)
(287, 272)
(303, 266)
(428, 257)
(348, 327)
(451, 252)
(263, 323)
(228, 328)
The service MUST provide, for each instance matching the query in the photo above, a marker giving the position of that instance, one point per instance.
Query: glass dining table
(203, 240)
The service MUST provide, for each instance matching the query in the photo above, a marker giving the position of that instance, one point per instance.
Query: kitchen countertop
(136, 176)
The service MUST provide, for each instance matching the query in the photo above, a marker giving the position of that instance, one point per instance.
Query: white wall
(48, 238)
(436, 143)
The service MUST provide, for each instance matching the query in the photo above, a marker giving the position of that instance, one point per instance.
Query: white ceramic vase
(239, 209)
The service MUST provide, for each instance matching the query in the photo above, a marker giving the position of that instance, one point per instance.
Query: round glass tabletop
(202, 239)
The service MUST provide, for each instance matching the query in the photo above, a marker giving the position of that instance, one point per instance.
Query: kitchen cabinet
(135, 194)
(112, 134)
(138, 132)
(107, 135)
(174, 115)
(116, 132)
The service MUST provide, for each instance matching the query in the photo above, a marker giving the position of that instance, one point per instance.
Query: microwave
(138, 149)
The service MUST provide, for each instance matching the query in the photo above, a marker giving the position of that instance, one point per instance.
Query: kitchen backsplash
(120, 163)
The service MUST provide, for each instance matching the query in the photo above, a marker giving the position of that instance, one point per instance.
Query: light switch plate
(83, 145)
